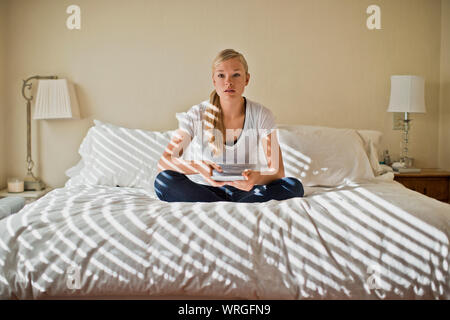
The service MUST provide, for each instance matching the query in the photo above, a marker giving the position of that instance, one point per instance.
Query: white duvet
(374, 240)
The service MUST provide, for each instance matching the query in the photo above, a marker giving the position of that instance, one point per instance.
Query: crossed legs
(173, 186)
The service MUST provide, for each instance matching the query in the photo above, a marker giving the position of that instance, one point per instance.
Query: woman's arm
(170, 160)
(274, 158)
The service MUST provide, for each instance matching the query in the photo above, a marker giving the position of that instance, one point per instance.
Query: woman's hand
(205, 168)
(250, 176)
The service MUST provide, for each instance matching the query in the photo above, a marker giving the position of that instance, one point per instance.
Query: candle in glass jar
(15, 185)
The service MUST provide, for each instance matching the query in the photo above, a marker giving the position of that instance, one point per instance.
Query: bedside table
(433, 183)
(29, 196)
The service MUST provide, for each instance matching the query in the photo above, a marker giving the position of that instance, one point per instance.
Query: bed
(106, 235)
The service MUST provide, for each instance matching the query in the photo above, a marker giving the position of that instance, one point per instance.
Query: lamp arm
(27, 85)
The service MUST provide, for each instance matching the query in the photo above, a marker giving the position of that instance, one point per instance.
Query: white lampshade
(407, 94)
(56, 99)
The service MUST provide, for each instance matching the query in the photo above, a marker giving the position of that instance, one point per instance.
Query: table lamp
(56, 99)
(408, 96)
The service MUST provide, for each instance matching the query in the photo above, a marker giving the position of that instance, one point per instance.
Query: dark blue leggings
(173, 186)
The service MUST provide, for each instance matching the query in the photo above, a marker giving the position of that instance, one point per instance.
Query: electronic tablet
(232, 172)
(227, 178)
(237, 167)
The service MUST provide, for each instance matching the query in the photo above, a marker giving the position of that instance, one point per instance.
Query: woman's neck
(233, 108)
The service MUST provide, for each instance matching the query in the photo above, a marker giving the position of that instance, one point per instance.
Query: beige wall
(444, 115)
(137, 62)
(3, 34)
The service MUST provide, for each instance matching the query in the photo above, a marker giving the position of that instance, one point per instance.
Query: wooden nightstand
(433, 183)
(29, 196)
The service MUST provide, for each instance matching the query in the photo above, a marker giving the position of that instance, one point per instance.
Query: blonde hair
(213, 116)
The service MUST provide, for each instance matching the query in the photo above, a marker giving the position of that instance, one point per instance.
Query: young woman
(220, 130)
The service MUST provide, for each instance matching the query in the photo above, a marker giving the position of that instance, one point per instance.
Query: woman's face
(230, 79)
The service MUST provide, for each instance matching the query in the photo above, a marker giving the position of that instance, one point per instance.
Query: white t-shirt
(259, 122)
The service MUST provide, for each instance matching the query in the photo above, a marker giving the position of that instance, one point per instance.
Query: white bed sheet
(369, 240)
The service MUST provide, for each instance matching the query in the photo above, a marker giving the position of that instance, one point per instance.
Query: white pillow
(321, 156)
(75, 170)
(372, 141)
(117, 156)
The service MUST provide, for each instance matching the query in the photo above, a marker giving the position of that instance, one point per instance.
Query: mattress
(368, 240)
